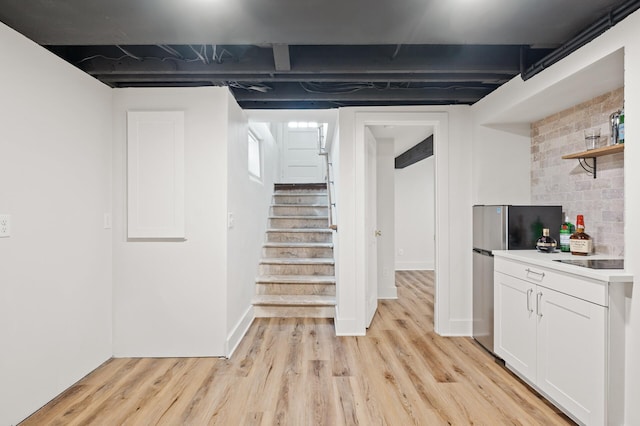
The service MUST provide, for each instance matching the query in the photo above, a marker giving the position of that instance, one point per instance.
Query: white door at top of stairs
(300, 160)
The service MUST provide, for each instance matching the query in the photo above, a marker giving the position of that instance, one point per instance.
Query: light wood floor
(296, 372)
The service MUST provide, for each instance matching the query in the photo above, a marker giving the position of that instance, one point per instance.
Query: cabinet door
(515, 324)
(572, 354)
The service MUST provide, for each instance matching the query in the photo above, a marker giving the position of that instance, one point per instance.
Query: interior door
(300, 160)
(371, 229)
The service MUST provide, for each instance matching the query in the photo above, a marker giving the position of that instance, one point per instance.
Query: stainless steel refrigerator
(503, 227)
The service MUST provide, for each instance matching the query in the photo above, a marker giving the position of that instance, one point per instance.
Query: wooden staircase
(297, 271)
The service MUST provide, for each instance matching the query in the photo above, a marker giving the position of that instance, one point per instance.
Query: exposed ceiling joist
(415, 52)
(336, 75)
(220, 78)
(305, 60)
(419, 152)
(281, 57)
(303, 91)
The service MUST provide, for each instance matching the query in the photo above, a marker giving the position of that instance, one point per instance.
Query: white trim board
(440, 123)
(239, 331)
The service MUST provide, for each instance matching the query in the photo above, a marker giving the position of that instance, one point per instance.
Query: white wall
(386, 219)
(452, 137)
(55, 279)
(415, 216)
(497, 153)
(170, 296)
(515, 94)
(248, 202)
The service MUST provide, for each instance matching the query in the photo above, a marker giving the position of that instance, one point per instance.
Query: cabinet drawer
(584, 288)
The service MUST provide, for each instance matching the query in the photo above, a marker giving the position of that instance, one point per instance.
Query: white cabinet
(552, 329)
(515, 324)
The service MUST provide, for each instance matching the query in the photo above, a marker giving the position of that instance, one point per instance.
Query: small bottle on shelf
(566, 230)
(580, 242)
(546, 244)
(621, 127)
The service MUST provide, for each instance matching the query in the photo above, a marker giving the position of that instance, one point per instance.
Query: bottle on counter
(580, 242)
(546, 244)
(621, 127)
(566, 230)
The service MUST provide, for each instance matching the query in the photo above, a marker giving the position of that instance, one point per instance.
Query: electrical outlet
(230, 220)
(5, 225)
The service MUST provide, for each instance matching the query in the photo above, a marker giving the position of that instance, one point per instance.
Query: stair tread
(299, 185)
(301, 230)
(310, 244)
(298, 193)
(298, 261)
(299, 279)
(324, 205)
(297, 300)
(300, 217)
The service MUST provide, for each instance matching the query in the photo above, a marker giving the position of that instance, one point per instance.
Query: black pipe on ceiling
(616, 15)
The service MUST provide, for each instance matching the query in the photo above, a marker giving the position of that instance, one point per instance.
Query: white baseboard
(388, 293)
(415, 266)
(347, 326)
(456, 328)
(235, 337)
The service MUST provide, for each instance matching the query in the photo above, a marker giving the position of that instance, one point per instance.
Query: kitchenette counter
(547, 260)
(549, 315)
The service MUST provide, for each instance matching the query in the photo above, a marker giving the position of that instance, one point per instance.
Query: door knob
(378, 232)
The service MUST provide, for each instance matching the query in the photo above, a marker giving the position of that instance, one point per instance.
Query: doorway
(438, 121)
(405, 213)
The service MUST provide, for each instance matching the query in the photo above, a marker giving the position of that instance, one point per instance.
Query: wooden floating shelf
(598, 152)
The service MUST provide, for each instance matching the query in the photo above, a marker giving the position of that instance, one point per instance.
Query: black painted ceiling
(309, 53)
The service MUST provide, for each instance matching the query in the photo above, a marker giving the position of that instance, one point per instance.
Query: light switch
(5, 225)
(230, 220)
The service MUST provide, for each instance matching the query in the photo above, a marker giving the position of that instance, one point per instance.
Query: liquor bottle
(580, 243)
(621, 127)
(546, 244)
(566, 230)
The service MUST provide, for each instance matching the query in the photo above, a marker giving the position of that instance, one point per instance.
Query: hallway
(296, 372)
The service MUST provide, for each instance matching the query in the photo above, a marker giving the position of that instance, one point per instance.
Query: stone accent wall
(564, 182)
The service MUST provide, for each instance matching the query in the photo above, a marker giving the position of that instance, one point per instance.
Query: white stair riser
(275, 269)
(294, 210)
(279, 311)
(298, 223)
(299, 237)
(322, 191)
(300, 199)
(296, 289)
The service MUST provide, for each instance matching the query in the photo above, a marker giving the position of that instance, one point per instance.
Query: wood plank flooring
(291, 371)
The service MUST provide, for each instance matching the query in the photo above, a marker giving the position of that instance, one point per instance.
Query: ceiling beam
(419, 152)
(281, 57)
(479, 78)
(296, 92)
(313, 60)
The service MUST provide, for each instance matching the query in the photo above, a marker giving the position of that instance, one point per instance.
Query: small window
(254, 160)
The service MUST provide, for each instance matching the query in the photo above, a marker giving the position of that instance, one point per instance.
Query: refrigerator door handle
(483, 252)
